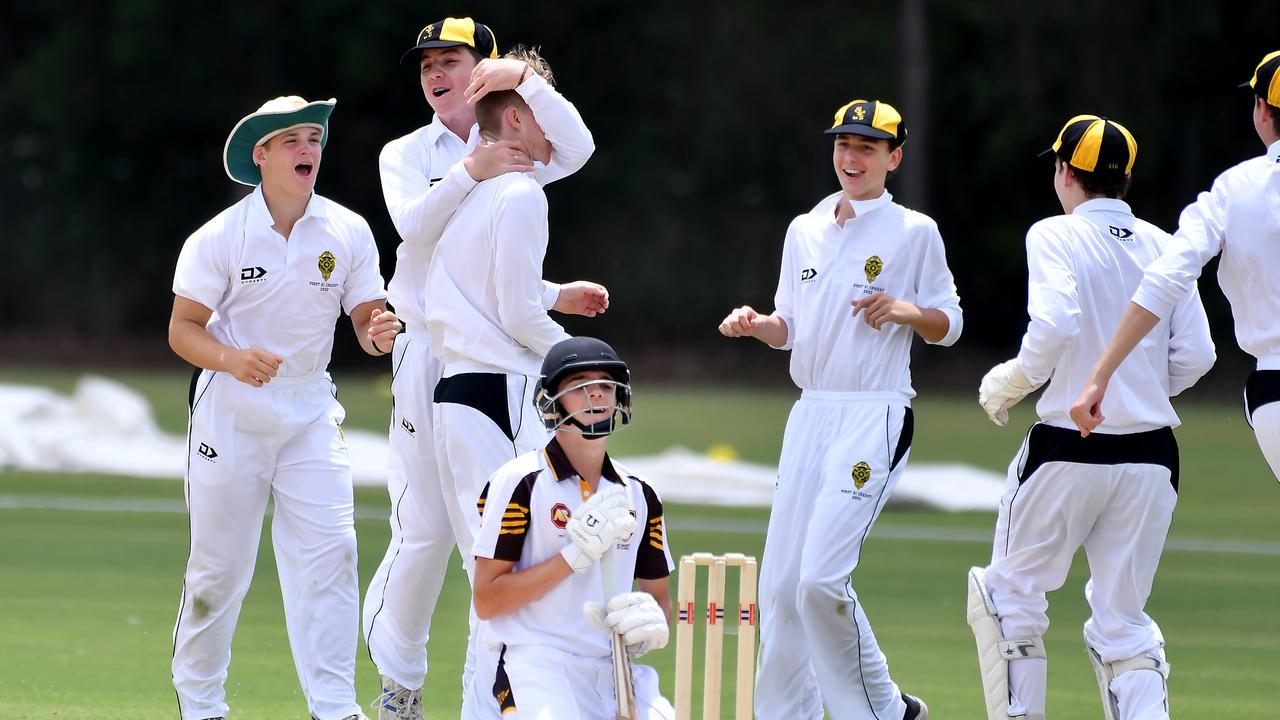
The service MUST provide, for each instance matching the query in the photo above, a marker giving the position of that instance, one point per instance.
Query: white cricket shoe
(398, 702)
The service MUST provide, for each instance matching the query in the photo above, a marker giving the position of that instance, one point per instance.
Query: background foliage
(706, 117)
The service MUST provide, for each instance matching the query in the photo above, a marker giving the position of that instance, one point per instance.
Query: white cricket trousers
(1262, 410)
(404, 590)
(1114, 495)
(281, 441)
(483, 420)
(842, 455)
(535, 682)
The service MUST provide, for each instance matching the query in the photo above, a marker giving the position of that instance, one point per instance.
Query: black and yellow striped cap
(870, 118)
(1266, 79)
(1096, 145)
(451, 32)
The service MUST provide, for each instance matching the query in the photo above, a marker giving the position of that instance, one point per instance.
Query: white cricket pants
(1262, 410)
(543, 683)
(245, 445)
(483, 420)
(404, 590)
(1112, 494)
(842, 455)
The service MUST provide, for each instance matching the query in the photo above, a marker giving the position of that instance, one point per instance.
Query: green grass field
(89, 598)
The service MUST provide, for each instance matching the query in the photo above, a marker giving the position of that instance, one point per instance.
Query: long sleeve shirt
(484, 289)
(1081, 269)
(1240, 218)
(424, 181)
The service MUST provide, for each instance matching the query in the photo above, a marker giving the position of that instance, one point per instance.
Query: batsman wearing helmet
(861, 277)
(426, 176)
(562, 525)
(1113, 492)
(1239, 218)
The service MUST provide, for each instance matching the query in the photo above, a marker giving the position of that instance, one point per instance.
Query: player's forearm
(931, 325)
(420, 211)
(511, 591)
(772, 331)
(1134, 325)
(571, 141)
(193, 343)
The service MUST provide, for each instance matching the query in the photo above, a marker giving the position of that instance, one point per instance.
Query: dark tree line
(707, 119)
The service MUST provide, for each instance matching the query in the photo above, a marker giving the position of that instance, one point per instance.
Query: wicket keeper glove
(595, 526)
(1003, 387)
(639, 619)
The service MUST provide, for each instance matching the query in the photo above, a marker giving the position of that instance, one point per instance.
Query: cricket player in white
(550, 516)
(861, 276)
(1113, 492)
(1240, 218)
(487, 318)
(425, 176)
(256, 293)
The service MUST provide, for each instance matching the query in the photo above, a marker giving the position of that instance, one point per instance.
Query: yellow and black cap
(1096, 145)
(870, 118)
(452, 32)
(1266, 79)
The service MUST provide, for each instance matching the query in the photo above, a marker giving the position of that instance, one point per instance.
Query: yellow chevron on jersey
(515, 521)
(657, 533)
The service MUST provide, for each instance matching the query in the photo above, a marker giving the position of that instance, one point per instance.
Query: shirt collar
(1110, 205)
(316, 207)
(563, 469)
(436, 129)
(1273, 152)
(861, 208)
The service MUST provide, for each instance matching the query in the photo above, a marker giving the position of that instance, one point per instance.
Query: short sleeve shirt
(281, 295)
(526, 507)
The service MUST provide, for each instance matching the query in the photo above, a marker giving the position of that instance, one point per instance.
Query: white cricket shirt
(1240, 218)
(525, 507)
(424, 181)
(485, 298)
(884, 248)
(280, 295)
(1081, 270)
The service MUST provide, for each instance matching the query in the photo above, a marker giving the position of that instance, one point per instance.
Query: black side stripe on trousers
(1262, 388)
(502, 685)
(904, 438)
(1047, 444)
(485, 392)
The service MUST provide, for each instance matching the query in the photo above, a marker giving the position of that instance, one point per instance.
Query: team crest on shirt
(560, 515)
(327, 264)
(873, 268)
(861, 474)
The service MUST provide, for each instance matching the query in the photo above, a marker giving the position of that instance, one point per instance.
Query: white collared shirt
(1240, 218)
(424, 181)
(485, 298)
(526, 506)
(884, 248)
(1081, 270)
(280, 295)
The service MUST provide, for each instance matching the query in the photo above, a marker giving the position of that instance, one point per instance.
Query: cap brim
(863, 130)
(413, 54)
(1047, 151)
(237, 154)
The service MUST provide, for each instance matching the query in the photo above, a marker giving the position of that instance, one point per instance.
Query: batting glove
(1003, 387)
(639, 619)
(599, 522)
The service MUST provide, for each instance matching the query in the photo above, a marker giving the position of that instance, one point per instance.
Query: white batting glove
(596, 525)
(639, 619)
(1003, 387)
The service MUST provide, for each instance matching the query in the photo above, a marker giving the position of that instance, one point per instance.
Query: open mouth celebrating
(303, 169)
